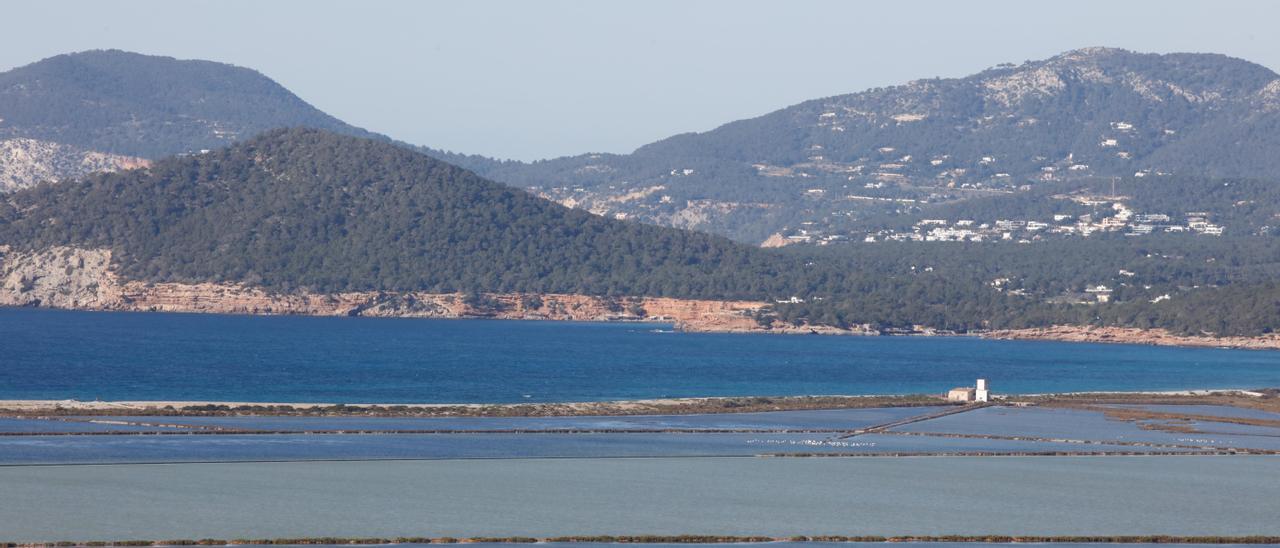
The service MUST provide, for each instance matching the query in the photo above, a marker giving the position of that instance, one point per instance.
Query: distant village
(1116, 216)
(1121, 219)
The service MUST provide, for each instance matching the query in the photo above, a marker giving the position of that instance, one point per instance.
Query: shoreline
(72, 278)
(706, 317)
(1130, 335)
(656, 406)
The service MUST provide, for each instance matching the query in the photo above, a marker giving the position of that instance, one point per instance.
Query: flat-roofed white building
(976, 393)
(961, 393)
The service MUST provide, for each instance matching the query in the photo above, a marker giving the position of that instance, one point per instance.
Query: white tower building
(980, 393)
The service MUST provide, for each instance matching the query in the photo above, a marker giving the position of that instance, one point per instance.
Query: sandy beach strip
(622, 407)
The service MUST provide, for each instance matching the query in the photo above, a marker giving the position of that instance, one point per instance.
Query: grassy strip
(670, 539)
(1269, 401)
(689, 406)
(1145, 415)
(1047, 440)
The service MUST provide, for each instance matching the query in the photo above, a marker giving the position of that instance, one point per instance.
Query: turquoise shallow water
(1189, 495)
(152, 356)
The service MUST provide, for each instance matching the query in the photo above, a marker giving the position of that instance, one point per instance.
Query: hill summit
(308, 209)
(147, 106)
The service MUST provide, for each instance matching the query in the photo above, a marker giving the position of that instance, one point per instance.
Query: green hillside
(305, 209)
(310, 209)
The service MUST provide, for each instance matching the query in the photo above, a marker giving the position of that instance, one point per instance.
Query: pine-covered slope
(308, 209)
(303, 219)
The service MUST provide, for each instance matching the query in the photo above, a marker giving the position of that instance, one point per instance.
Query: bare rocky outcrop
(1269, 96)
(775, 240)
(27, 162)
(60, 277)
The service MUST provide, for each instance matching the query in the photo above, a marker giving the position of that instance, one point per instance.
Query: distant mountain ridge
(816, 169)
(147, 106)
(101, 110)
(1085, 113)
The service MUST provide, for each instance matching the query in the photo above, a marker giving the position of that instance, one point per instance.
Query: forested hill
(309, 209)
(305, 209)
(147, 106)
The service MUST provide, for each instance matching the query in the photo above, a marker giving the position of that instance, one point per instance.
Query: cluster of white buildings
(1121, 218)
(809, 235)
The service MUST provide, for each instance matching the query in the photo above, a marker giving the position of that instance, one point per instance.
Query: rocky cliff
(83, 279)
(72, 278)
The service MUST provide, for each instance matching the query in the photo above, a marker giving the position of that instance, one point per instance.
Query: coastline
(684, 315)
(660, 406)
(1132, 335)
(83, 279)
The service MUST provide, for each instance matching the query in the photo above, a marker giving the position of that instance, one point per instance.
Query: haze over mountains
(58, 114)
(823, 166)
(140, 105)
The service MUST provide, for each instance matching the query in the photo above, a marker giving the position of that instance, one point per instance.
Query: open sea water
(50, 354)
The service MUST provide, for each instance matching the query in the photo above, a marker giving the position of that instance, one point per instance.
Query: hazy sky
(528, 80)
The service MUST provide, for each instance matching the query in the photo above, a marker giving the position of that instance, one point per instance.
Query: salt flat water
(1188, 495)
(49, 354)
(1092, 425)
(43, 450)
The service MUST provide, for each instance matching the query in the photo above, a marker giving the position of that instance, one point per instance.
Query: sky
(529, 80)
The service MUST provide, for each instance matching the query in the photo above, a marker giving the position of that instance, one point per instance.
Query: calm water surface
(40, 450)
(1189, 495)
(51, 354)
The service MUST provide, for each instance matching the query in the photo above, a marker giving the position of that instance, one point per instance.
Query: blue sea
(50, 354)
